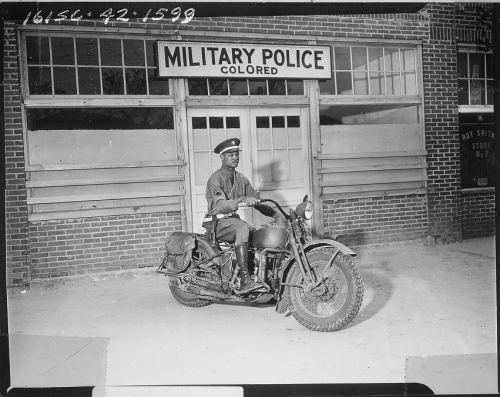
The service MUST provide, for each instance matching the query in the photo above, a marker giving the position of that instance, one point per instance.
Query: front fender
(315, 244)
(323, 242)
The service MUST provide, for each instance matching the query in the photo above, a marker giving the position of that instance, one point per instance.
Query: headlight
(305, 210)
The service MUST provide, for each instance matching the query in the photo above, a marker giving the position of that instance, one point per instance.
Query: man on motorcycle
(227, 188)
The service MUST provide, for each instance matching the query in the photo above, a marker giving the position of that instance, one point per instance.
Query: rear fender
(312, 245)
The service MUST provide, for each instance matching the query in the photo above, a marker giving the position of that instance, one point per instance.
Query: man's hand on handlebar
(247, 201)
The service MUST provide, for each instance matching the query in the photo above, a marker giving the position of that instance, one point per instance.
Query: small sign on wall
(477, 153)
(230, 60)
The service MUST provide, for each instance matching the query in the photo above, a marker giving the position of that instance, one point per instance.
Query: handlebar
(244, 205)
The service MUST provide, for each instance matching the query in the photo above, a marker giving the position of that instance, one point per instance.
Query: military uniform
(222, 196)
(224, 187)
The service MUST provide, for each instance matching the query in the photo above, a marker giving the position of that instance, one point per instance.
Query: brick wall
(441, 120)
(101, 244)
(16, 213)
(372, 220)
(478, 210)
(110, 243)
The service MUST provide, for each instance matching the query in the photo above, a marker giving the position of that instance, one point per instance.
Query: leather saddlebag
(179, 249)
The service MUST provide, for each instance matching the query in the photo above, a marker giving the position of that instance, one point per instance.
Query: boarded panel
(370, 138)
(80, 147)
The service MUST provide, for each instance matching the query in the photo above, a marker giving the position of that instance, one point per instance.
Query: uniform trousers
(233, 230)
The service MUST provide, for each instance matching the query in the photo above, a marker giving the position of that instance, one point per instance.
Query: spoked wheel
(202, 252)
(335, 301)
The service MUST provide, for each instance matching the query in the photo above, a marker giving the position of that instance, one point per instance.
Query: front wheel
(335, 301)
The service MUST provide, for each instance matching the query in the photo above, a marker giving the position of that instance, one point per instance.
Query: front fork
(311, 281)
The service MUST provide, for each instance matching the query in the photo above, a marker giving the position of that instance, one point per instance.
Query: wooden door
(280, 156)
(206, 129)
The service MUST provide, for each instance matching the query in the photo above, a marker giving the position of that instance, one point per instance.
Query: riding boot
(246, 283)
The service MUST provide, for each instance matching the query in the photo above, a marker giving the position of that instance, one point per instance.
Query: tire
(202, 251)
(335, 302)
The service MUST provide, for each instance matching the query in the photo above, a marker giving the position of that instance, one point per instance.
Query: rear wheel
(335, 301)
(202, 252)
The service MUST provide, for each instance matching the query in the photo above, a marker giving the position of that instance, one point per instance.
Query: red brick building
(104, 158)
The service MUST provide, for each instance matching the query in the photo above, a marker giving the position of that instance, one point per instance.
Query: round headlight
(305, 210)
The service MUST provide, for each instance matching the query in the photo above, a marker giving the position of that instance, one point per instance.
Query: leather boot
(246, 283)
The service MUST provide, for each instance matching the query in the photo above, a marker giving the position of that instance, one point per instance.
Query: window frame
(472, 48)
(414, 45)
(34, 100)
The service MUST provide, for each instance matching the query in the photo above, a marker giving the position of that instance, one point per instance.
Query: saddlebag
(178, 251)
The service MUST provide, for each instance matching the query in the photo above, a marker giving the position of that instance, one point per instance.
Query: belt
(223, 216)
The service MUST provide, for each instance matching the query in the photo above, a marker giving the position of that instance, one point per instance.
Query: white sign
(229, 60)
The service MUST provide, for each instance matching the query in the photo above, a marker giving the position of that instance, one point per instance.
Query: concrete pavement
(423, 306)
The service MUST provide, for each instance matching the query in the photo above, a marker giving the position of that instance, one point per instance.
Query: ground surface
(420, 301)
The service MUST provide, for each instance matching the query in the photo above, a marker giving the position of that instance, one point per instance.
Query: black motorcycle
(316, 280)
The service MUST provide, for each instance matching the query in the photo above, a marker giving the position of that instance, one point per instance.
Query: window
(99, 141)
(90, 66)
(245, 87)
(367, 70)
(475, 77)
(370, 116)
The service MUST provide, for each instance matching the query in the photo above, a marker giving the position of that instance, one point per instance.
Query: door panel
(280, 156)
(206, 129)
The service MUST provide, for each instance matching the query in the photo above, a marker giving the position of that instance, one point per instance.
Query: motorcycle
(315, 280)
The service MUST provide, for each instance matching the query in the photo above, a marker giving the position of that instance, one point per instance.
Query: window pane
(359, 58)
(199, 123)
(100, 118)
(293, 121)
(463, 92)
(197, 87)
(238, 87)
(295, 87)
(393, 84)
(136, 81)
(369, 114)
(391, 59)
(408, 60)
(377, 84)
(278, 122)
(40, 81)
(342, 58)
(477, 89)
(64, 81)
(376, 56)
(410, 84)
(157, 86)
(258, 87)
(276, 87)
(327, 87)
(476, 65)
(489, 66)
(89, 81)
(37, 50)
(218, 86)
(360, 83)
(150, 52)
(111, 52)
(263, 122)
(133, 52)
(462, 64)
(490, 92)
(87, 51)
(63, 51)
(112, 81)
(216, 122)
(344, 83)
(232, 122)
